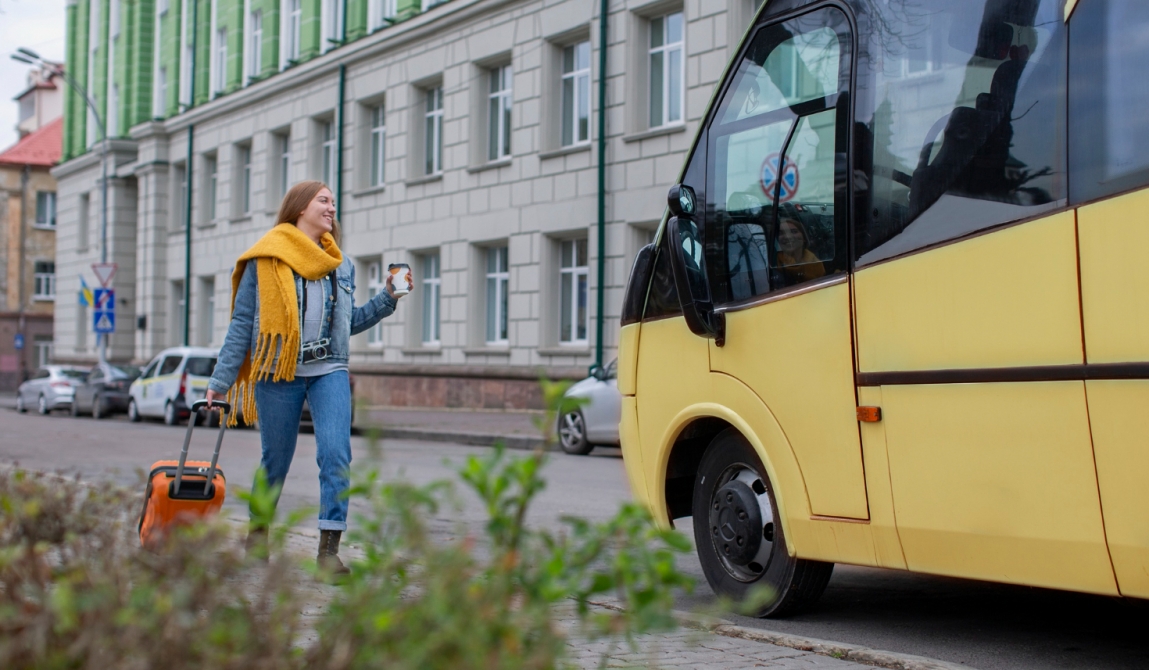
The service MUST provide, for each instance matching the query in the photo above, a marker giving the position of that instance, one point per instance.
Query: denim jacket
(346, 320)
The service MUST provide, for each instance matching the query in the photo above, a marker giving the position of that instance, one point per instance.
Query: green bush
(76, 591)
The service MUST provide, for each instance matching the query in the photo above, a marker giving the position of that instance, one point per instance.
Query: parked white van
(175, 379)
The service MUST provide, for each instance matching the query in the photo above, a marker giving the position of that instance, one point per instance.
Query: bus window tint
(1109, 134)
(961, 117)
(771, 205)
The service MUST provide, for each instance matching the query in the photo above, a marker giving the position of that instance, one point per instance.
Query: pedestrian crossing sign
(104, 322)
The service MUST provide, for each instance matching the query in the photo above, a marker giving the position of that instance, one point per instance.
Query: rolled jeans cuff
(325, 524)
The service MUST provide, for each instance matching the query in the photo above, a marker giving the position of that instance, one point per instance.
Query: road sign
(104, 299)
(19, 343)
(104, 316)
(104, 272)
(769, 178)
(104, 322)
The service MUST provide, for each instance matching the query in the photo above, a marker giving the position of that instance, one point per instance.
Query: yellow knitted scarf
(279, 253)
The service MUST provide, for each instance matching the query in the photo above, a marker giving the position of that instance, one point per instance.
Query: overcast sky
(37, 25)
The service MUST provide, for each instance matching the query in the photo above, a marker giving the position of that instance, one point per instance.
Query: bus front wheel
(738, 532)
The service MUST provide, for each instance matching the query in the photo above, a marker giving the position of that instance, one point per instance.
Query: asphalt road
(982, 625)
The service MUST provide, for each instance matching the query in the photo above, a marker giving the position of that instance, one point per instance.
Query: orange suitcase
(183, 491)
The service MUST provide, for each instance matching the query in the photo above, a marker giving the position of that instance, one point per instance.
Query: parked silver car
(596, 422)
(52, 387)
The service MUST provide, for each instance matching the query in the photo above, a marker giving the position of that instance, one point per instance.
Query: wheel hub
(736, 522)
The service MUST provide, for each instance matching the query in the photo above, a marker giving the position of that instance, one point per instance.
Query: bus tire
(738, 532)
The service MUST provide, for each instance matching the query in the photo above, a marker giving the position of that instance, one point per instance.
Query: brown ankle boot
(328, 557)
(255, 546)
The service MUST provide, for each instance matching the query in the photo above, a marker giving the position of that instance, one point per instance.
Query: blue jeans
(280, 405)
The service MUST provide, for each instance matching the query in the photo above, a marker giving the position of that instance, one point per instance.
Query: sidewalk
(516, 429)
(705, 646)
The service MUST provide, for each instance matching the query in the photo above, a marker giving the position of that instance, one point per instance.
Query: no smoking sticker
(769, 178)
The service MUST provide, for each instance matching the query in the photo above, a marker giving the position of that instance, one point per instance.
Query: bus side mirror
(688, 263)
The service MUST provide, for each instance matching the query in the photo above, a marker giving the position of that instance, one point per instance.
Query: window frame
(580, 78)
(665, 50)
(254, 66)
(497, 299)
(376, 283)
(576, 272)
(219, 75)
(243, 162)
(44, 281)
(431, 280)
(211, 186)
(50, 207)
(291, 20)
(377, 141)
(433, 131)
(328, 140)
(500, 105)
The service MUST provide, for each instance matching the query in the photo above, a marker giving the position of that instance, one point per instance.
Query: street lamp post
(32, 58)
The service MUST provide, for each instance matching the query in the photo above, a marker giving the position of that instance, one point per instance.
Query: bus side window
(1109, 97)
(964, 122)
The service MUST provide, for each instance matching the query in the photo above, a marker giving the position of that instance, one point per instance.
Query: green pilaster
(356, 19)
(99, 89)
(309, 30)
(141, 68)
(231, 15)
(405, 9)
(202, 50)
(271, 26)
(74, 61)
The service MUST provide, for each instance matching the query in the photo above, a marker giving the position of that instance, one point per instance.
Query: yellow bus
(897, 311)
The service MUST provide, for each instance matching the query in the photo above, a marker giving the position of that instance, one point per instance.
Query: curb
(839, 650)
(523, 442)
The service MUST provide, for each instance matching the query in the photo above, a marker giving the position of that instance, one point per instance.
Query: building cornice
(372, 46)
(92, 158)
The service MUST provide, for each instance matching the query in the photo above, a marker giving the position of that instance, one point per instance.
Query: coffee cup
(400, 278)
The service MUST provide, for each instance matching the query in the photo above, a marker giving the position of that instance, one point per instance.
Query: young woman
(293, 315)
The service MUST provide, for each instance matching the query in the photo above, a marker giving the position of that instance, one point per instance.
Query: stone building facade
(461, 138)
(28, 223)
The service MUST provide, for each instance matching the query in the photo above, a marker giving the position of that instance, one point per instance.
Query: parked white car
(596, 422)
(168, 386)
(52, 387)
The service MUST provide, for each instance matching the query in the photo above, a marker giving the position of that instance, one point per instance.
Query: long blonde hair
(297, 199)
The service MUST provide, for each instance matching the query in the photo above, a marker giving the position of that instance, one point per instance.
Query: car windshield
(72, 374)
(200, 367)
(124, 372)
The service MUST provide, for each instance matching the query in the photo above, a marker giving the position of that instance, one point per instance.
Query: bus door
(1109, 164)
(777, 245)
(969, 334)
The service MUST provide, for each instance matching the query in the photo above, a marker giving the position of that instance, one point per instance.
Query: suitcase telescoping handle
(196, 406)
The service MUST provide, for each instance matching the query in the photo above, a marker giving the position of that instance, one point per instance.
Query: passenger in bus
(747, 244)
(797, 262)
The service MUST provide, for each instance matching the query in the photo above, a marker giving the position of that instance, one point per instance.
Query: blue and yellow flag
(86, 297)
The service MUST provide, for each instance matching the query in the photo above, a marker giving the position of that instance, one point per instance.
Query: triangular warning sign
(104, 272)
(104, 323)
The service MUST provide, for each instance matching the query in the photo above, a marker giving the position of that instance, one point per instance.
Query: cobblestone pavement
(683, 648)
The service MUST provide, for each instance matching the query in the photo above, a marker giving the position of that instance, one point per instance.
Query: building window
(376, 284)
(161, 102)
(378, 144)
(431, 291)
(81, 327)
(576, 94)
(292, 20)
(178, 300)
(327, 153)
(113, 114)
(573, 285)
(207, 311)
(163, 6)
(44, 281)
(666, 69)
(46, 209)
(211, 174)
(283, 162)
(219, 84)
(255, 45)
(179, 216)
(497, 284)
(245, 179)
(499, 114)
(433, 131)
(43, 345)
(332, 29)
(83, 222)
(381, 13)
(115, 18)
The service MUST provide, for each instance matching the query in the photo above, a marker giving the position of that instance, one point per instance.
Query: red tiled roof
(41, 148)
